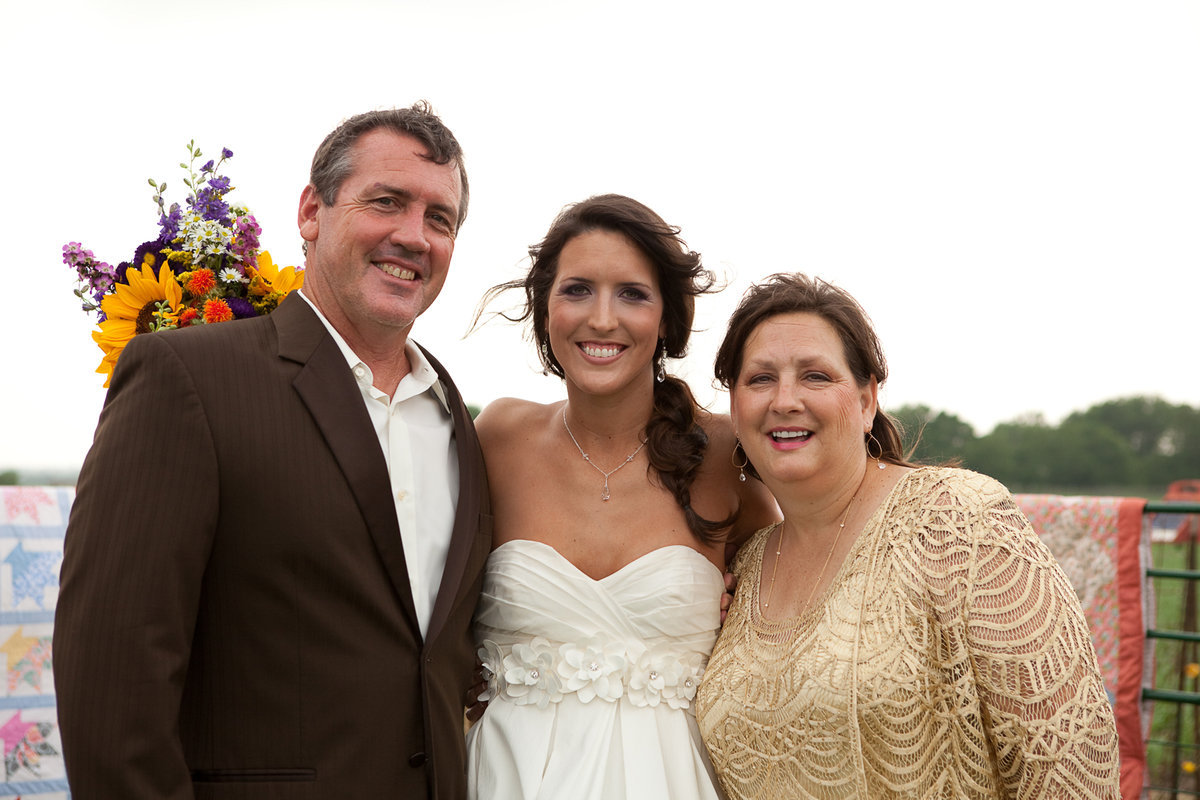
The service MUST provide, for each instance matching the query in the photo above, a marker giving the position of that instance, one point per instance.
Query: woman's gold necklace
(605, 494)
(821, 574)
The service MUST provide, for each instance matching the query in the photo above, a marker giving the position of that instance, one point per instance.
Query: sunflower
(283, 281)
(269, 284)
(133, 308)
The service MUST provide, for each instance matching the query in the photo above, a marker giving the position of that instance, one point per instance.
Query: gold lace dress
(949, 658)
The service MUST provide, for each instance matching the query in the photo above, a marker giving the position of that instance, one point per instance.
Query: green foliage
(933, 438)
(1018, 454)
(1144, 422)
(1135, 441)
(9, 477)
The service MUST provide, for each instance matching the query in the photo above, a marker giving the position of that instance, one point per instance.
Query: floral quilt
(1104, 548)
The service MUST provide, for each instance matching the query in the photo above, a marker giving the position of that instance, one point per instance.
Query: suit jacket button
(417, 760)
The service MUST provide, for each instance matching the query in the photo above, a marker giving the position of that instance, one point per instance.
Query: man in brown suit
(279, 533)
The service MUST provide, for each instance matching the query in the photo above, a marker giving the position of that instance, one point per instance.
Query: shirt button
(359, 371)
(401, 495)
(417, 760)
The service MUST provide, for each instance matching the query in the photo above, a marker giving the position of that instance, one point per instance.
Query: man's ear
(306, 216)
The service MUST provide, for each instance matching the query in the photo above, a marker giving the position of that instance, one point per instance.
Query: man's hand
(475, 706)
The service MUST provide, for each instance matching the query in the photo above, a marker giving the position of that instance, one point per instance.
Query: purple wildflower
(169, 223)
(208, 167)
(150, 248)
(97, 276)
(101, 281)
(226, 153)
(245, 237)
(74, 255)
(241, 307)
(101, 285)
(208, 204)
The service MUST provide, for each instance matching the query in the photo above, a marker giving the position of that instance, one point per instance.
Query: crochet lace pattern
(949, 658)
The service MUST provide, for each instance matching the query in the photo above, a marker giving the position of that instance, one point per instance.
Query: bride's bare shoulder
(509, 418)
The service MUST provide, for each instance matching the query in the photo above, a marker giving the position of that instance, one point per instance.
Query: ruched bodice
(593, 680)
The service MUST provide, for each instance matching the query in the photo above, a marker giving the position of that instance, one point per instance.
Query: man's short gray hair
(333, 162)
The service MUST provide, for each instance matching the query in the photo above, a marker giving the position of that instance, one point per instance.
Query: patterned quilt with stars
(33, 520)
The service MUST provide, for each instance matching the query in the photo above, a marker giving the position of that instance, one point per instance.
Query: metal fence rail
(1183, 695)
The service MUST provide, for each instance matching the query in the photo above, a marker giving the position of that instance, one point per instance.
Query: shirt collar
(421, 376)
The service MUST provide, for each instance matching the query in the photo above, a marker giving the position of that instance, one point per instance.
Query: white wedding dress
(592, 681)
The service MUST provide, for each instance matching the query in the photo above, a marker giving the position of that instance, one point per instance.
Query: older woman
(903, 632)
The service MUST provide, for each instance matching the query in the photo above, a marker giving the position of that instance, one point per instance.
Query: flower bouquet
(204, 267)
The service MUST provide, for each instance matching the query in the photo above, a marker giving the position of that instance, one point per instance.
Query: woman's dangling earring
(545, 359)
(741, 468)
(875, 456)
(660, 358)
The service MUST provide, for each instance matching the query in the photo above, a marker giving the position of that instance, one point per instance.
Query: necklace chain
(594, 465)
(832, 547)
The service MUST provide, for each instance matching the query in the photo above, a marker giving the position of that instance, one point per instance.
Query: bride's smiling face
(605, 312)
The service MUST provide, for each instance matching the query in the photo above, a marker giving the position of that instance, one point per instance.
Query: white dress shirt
(416, 434)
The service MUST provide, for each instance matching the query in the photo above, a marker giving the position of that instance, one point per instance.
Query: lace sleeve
(1042, 700)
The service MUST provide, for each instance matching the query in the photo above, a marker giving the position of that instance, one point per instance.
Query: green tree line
(1135, 444)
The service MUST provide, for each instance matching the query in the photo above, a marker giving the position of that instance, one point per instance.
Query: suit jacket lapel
(327, 388)
(472, 501)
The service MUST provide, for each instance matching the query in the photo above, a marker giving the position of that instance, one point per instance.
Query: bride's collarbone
(590, 518)
(575, 483)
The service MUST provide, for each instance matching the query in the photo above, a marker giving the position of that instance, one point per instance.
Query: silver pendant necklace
(605, 495)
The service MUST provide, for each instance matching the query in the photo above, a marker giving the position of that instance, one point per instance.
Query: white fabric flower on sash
(539, 673)
(493, 669)
(593, 669)
(529, 674)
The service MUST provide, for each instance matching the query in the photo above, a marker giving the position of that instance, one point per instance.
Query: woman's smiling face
(795, 404)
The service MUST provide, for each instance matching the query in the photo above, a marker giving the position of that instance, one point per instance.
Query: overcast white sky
(1012, 189)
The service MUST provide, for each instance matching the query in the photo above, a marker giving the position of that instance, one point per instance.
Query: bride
(613, 510)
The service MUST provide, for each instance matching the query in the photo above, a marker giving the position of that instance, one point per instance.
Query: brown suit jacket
(235, 617)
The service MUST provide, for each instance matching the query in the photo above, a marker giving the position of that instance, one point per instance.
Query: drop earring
(875, 456)
(741, 468)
